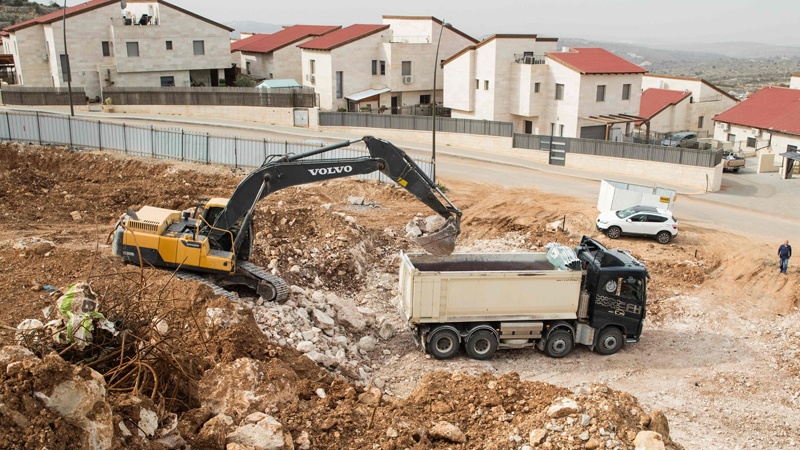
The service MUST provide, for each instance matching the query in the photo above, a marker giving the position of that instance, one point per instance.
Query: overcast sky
(641, 21)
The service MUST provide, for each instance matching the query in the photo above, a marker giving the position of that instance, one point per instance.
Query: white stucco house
(580, 92)
(768, 121)
(276, 55)
(794, 83)
(148, 44)
(675, 104)
(388, 65)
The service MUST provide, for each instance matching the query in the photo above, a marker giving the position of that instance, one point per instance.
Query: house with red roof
(674, 104)
(145, 44)
(387, 65)
(276, 55)
(768, 121)
(580, 92)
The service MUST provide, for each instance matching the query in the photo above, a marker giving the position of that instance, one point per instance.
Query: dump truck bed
(473, 287)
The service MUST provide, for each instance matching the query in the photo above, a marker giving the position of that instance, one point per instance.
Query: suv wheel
(614, 232)
(663, 237)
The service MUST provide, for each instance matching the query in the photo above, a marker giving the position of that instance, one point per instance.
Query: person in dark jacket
(784, 253)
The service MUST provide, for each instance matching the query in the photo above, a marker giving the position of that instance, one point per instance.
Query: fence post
(152, 141)
(265, 149)
(208, 152)
(235, 157)
(99, 135)
(182, 143)
(8, 122)
(285, 148)
(69, 126)
(124, 139)
(38, 128)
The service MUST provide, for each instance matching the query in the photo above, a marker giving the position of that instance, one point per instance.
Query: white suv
(639, 220)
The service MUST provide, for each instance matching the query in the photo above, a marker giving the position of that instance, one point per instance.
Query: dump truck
(551, 300)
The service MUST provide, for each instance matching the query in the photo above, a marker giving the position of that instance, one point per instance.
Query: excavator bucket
(441, 242)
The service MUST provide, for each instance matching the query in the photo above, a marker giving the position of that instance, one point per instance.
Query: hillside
(16, 11)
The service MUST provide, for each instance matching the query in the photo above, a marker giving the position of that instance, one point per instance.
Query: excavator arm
(294, 170)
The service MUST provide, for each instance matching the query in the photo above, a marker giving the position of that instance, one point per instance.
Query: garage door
(595, 132)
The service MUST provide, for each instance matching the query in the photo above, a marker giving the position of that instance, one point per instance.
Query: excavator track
(184, 275)
(281, 288)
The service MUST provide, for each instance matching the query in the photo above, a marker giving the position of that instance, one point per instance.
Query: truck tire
(614, 232)
(443, 343)
(482, 345)
(663, 237)
(609, 341)
(735, 170)
(559, 344)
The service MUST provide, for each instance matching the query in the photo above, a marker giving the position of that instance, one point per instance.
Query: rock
(441, 407)
(659, 424)
(648, 440)
(433, 223)
(562, 408)
(351, 320)
(386, 331)
(294, 269)
(321, 358)
(447, 431)
(148, 422)
(592, 444)
(586, 420)
(255, 417)
(321, 393)
(18, 418)
(537, 437)
(367, 343)
(305, 346)
(213, 432)
(237, 388)
(368, 314)
(584, 436)
(356, 200)
(42, 248)
(267, 434)
(303, 442)
(323, 320)
(371, 397)
(15, 353)
(76, 216)
(172, 440)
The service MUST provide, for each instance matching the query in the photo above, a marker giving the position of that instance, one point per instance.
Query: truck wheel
(609, 341)
(559, 344)
(663, 237)
(482, 345)
(613, 232)
(443, 343)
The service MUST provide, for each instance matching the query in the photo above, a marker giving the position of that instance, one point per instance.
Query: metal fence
(21, 95)
(164, 143)
(674, 155)
(218, 96)
(419, 123)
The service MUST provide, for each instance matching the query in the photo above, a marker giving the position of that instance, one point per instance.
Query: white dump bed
(472, 287)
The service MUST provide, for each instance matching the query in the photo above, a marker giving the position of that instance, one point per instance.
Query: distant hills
(16, 11)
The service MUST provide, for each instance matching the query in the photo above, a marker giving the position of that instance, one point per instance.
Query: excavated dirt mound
(58, 207)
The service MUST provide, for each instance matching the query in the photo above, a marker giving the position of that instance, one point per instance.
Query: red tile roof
(594, 61)
(343, 36)
(771, 108)
(265, 43)
(656, 100)
(94, 4)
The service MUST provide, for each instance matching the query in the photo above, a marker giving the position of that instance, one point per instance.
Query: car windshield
(623, 213)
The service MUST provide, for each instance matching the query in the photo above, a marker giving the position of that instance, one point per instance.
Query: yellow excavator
(216, 239)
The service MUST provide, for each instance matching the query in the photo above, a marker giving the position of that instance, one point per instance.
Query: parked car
(639, 221)
(686, 139)
(732, 161)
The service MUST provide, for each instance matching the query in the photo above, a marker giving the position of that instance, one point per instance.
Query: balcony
(529, 59)
(136, 21)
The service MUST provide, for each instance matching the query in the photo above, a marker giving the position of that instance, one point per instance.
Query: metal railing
(418, 123)
(219, 96)
(657, 153)
(26, 95)
(163, 143)
(529, 59)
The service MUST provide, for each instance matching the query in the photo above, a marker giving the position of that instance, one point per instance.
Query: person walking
(784, 253)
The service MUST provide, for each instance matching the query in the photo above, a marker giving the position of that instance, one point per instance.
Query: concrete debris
(562, 408)
(266, 434)
(447, 431)
(648, 440)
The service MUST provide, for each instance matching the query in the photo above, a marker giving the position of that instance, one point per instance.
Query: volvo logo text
(331, 170)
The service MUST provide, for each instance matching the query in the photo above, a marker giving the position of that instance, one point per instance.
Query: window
(559, 92)
(169, 45)
(167, 81)
(339, 84)
(247, 66)
(751, 142)
(477, 84)
(383, 67)
(106, 48)
(536, 87)
(700, 122)
(374, 66)
(133, 49)
(65, 72)
(406, 68)
(626, 91)
(199, 47)
(601, 93)
(485, 85)
(424, 99)
(561, 130)
(731, 137)
(312, 66)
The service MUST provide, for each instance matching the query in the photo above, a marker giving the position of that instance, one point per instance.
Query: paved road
(761, 206)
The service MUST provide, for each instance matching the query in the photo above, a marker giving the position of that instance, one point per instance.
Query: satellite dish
(122, 4)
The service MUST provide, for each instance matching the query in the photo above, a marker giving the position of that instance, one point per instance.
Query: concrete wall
(32, 54)
(263, 115)
(459, 79)
(700, 179)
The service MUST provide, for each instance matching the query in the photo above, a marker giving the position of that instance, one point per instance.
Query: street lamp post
(433, 102)
(66, 61)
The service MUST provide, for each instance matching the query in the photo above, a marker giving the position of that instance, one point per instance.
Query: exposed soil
(720, 346)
